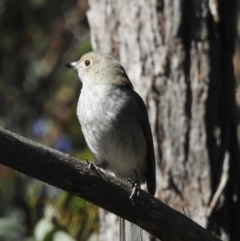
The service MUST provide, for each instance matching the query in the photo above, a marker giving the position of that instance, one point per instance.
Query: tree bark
(178, 54)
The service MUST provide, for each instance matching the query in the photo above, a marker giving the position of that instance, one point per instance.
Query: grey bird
(114, 120)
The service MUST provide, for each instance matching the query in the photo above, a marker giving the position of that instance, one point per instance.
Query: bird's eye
(87, 62)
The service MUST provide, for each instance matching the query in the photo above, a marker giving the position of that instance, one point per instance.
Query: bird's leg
(92, 166)
(96, 167)
(136, 187)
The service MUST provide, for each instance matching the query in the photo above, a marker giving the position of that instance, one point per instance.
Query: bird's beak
(72, 65)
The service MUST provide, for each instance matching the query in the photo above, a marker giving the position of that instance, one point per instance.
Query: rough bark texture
(178, 54)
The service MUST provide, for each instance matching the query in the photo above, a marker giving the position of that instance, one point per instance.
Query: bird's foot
(95, 167)
(135, 191)
(92, 165)
(135, 187)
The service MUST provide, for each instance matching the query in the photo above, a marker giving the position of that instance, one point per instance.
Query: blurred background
(38, 97)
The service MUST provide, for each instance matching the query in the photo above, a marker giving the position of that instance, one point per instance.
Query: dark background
(38, 97)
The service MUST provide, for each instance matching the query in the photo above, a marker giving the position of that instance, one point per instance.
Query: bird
(114, 120)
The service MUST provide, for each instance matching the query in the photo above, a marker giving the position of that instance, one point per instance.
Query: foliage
(38, 100)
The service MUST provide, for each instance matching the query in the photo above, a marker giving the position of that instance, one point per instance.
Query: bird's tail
(130, 231)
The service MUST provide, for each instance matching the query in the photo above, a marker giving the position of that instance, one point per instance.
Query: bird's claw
(135, 191)
(92, 166)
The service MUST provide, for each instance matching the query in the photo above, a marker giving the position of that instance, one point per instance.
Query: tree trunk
(178, 55)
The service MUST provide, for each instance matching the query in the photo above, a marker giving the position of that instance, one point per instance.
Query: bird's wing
(150, 158)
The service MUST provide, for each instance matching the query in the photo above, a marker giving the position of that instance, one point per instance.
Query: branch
(106, 191)
(222, 185)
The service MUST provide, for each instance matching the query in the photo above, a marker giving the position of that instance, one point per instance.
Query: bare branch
(74, 176)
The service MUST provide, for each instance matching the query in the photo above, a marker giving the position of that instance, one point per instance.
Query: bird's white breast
(112, 129)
